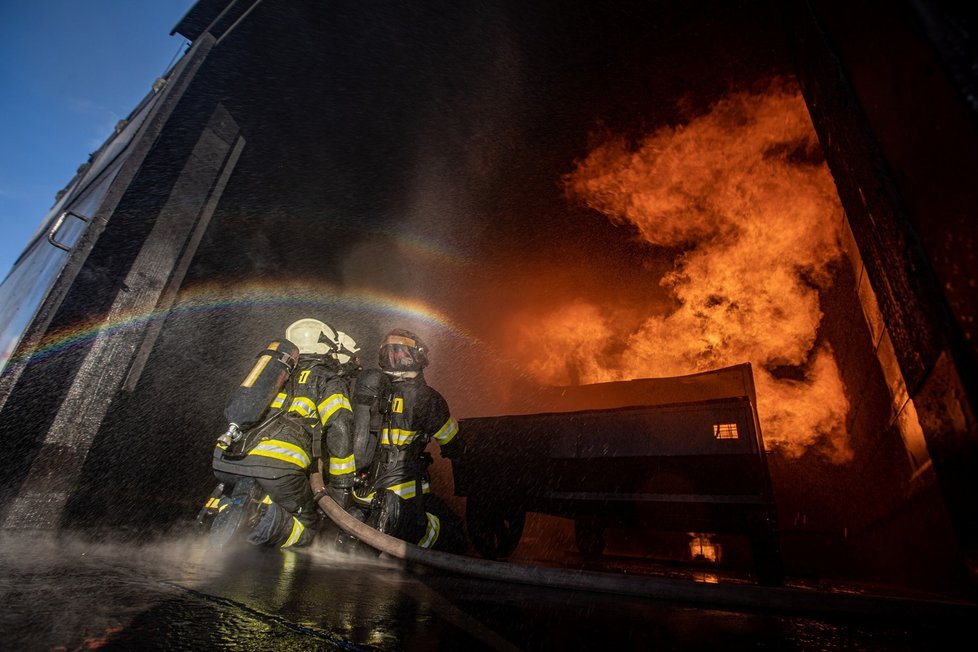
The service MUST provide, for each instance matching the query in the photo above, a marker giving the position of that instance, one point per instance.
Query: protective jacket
(290, 437)
(411, 413)
(285, 446)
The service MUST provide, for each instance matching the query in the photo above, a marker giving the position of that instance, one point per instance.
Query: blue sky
(69, 70)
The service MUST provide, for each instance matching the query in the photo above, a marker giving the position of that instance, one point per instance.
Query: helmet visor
(398, 357)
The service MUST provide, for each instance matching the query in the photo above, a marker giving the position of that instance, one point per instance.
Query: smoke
(742, 192)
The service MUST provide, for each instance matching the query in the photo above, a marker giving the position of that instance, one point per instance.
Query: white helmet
(346, 349)
(319, 338)
(312, 336)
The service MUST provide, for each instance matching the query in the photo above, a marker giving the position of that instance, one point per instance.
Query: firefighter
(291, 412)
(396, 414)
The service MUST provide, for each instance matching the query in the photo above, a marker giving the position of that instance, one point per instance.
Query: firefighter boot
(268, 531)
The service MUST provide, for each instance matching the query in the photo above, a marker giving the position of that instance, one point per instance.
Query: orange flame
(744, 192)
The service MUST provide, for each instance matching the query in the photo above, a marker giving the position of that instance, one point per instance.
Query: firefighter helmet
(347, 349)
(403, 351)
(313, 337)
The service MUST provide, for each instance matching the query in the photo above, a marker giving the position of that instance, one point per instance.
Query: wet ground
(65, 593)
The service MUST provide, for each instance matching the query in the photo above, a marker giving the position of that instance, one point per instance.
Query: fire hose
(743, 596)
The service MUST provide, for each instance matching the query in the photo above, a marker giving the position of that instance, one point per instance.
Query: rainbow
(212, 298)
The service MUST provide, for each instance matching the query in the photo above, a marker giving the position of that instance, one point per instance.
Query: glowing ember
(744, 194)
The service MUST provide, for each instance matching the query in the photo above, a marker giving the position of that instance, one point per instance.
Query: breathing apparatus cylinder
(251, 399)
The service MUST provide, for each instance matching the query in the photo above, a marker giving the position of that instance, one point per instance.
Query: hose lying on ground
(746, 596)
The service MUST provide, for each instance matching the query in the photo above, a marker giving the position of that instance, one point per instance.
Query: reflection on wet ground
(64, 593)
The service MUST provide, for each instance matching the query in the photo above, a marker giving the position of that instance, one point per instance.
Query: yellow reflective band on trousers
(447, 432)
(431, 532)
(278, 400)
(331, 404)
(297, 530)
(397, 437)
(303, 406)
(281, 450)
(342, 465)
(408, 490)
